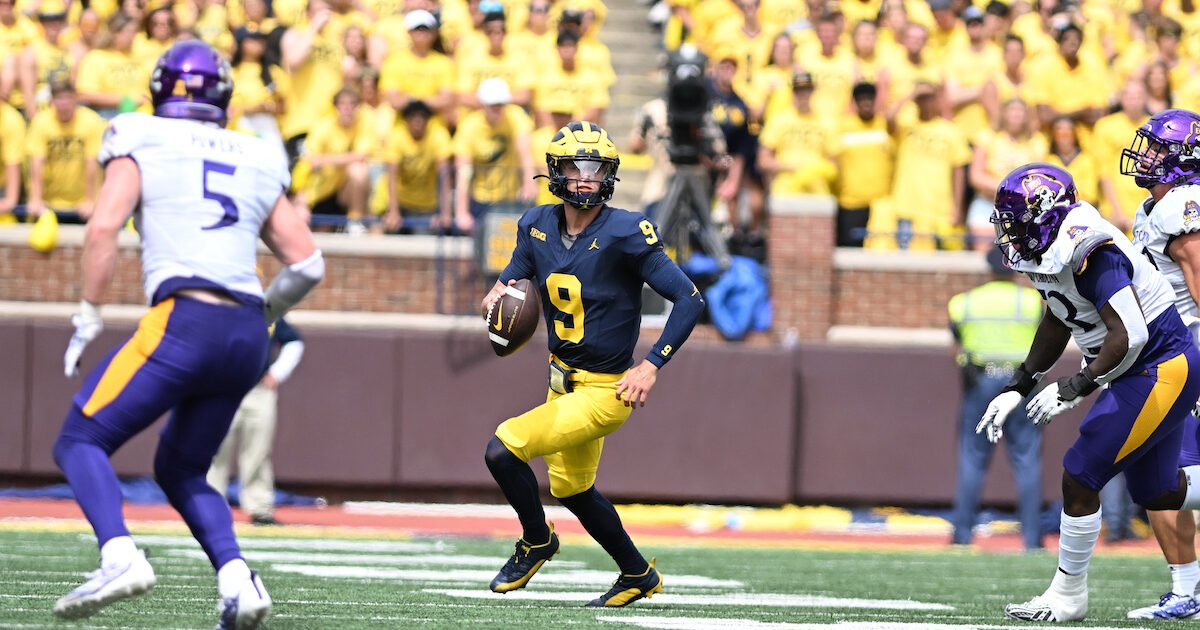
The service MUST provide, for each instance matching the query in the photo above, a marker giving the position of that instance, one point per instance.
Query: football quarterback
(588, 262)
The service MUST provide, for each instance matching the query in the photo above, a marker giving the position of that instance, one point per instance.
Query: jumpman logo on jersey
(594, 245)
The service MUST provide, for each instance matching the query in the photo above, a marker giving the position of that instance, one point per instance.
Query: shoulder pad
(1085, 245)
(1179, 211)
(124, 134)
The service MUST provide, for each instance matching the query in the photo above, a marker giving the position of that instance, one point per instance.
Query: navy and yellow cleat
(630, 588)
(525, 561)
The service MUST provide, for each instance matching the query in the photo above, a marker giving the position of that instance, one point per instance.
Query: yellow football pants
(568, 430)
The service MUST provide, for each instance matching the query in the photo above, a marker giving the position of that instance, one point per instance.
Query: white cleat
(105, 586)
(248, 609)
(1050, 606)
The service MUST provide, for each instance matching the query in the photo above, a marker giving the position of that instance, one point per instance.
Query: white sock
(118, 552)
(1184, 577)
(1077, 539)
(1191, 501)
(231, 577)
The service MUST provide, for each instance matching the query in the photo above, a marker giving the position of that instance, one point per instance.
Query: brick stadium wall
(815, 287)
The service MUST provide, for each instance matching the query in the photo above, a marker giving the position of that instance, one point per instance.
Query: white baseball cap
(418, 18)
(494, 91)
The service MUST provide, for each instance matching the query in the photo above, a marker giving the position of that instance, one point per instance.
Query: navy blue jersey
(592, 293)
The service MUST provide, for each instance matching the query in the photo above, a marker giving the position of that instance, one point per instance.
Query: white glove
(1046, 405)
(997, 412)
(1196, 409)
(87, 326)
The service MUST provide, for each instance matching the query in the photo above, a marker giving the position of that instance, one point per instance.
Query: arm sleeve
(666, 278)
(289, 357)
(1106, 278)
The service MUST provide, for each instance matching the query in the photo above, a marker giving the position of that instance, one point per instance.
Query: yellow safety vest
(995, 323)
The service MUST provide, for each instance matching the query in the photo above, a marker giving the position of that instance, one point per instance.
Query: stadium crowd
(907, 111)
(910, 111)
(378, 103)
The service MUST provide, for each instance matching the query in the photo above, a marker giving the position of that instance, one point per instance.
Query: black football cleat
(630, 588)
(525, 561)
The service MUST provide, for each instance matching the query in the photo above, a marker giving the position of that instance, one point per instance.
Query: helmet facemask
(581, 152)
(594, 180)
(1165, 150)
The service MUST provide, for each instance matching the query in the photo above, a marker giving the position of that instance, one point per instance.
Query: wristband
(1022, 382)
(1077, 385)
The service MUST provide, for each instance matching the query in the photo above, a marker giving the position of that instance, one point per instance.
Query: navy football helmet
(1031, 204)
(1165, 150)
(191, 81)
(578, 149)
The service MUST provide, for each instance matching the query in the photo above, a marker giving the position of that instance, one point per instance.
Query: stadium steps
(636, 58)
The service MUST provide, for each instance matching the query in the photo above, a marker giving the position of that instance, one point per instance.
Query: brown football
(514, 317)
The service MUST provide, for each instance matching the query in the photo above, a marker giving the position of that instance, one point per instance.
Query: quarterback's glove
(1061, 395)
(87, 326)
(997, 412)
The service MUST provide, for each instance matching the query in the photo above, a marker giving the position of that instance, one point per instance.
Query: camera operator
(678, 128)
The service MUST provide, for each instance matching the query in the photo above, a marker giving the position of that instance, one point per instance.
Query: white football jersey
(1081, 232)
(1177, 213)
(206, 193)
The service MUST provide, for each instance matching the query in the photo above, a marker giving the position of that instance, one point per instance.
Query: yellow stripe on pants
(1172, 376)
(131, 357)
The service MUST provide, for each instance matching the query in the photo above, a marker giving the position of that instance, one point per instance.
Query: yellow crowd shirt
(50, 60)
(1083, 170)
(927, 152)
(1110, 135)
(66, 149)
(12, 139)
(865, 161)
(417, 161)
(249, 91)
(803, 144)
(971, 68)
(314, 82)
(493, 152)
(517, 72)
(330, 138)
(1004, 153)
(113, 73)
(558, 90)
(417, 77)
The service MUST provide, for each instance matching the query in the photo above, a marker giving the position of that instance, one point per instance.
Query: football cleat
(1170, 606)
(1048, 607)
(630, 588)
(105, 586)
(249, 608)
(525, 561)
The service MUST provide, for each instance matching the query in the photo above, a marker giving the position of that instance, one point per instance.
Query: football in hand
(513, 318)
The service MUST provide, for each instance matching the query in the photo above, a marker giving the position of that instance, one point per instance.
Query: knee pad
(498, 456)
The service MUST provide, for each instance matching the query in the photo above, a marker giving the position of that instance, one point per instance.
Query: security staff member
(993, 325)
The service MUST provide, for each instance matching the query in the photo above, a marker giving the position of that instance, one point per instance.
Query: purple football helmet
(1165, 150)
(1031, 203)
(191, 81)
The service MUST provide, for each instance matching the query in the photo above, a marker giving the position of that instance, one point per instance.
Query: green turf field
(341, 584)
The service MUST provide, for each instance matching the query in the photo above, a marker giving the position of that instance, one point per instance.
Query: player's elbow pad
(291, 285)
